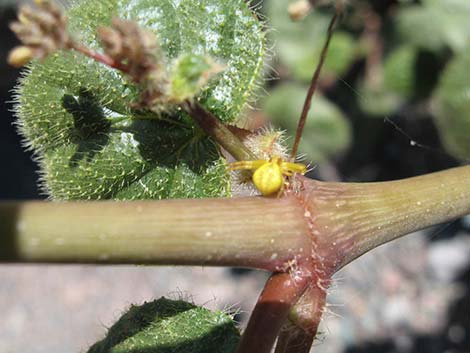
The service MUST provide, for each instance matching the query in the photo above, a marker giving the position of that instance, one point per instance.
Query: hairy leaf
(92, 143)
(170, 326)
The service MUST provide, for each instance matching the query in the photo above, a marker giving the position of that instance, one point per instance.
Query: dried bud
(20, 56)
(111, 42)
(42, 31)
(139, 54)
(127, 43)
(299, 9)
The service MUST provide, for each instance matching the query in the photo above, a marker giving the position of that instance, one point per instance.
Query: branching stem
(345, 220)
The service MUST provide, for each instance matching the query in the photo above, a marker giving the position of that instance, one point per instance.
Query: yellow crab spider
(269, 174)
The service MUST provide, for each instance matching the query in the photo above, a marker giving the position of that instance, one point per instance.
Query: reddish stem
(279, 294)
(304, 318)
(313, 85)
(102, 58)
(294, 340)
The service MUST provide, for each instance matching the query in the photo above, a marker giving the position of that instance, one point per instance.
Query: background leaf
(298, 44)
(452, 103)
(435, 24)
(327, 132)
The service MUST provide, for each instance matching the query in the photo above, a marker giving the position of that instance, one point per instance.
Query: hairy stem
(294, 340)
(252, 232)
(99, 57)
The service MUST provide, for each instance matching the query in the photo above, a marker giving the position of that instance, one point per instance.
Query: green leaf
(452, 103)
(78, 117)
(326, 133)
(170, 326)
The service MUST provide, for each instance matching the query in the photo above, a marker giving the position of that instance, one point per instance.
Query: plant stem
(344, 220)
(299, 332)
(294, 340)
(215, 128)
(349, 219)
(313, 85)
(99, 57)
(279, 294)
(251, 232)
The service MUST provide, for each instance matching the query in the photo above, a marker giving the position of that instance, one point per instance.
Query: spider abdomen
(268, 178)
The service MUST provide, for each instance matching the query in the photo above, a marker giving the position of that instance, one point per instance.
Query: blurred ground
(412, 295)
(401, 297)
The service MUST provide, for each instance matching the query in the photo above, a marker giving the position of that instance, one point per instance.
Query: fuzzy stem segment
(251, 232)
(99, 57)
(344, 220)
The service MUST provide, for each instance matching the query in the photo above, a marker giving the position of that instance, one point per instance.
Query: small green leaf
(170, 326)
(189, 74)
(378, 101)
(399, 71)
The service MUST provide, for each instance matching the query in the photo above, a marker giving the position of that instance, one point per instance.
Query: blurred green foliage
(453, 105)
(394, 58)
(326, 131)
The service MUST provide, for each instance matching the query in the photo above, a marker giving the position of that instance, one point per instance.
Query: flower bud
(20, 56)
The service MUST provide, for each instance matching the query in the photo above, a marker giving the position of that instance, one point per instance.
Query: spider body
(268, 175)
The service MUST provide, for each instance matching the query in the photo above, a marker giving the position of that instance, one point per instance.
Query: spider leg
(282, 189)
(240, 165)
(289, 168)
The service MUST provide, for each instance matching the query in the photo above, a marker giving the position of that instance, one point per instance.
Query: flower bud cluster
(42, 31)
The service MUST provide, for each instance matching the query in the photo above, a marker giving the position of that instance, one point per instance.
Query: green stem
(252, 232)
(215, 128)
(332, 222)
(349, 219)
